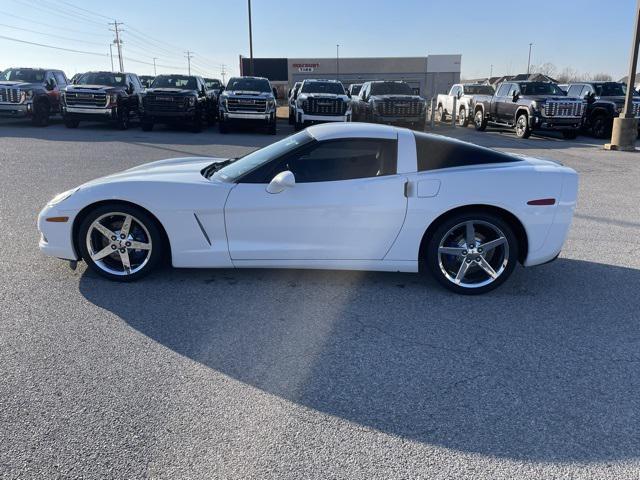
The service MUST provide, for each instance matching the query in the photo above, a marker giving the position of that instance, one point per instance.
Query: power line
(55, 11)
(53, 47)
(189, 56)
(56, 27)
(50, 35)
(118, 42)
(85, 10)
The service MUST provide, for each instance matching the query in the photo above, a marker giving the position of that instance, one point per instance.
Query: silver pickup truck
(463, 93)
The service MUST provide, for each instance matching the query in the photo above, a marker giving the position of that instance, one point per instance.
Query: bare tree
(601, 76)
(568, 75)
(548, 69)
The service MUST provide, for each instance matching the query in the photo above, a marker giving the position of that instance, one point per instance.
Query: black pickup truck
(248, 101)
(32, 93)
(605, 101)
(528, 107)
(389, 102)
(177, 100)
(102, 97)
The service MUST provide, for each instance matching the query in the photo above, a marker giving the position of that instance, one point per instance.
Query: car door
(500, 99)
(348, 203)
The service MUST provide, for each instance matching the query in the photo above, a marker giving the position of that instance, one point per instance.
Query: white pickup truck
(463, 93)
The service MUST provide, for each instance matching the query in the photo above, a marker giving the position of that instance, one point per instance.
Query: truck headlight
(190, 101)
(26, 95)
(62, 196)
(271, 103)
(223, 103)
(113, 98)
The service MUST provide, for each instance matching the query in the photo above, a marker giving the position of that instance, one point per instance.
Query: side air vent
(204, 232)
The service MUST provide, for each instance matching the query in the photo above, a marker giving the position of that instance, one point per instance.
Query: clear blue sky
(587, 35)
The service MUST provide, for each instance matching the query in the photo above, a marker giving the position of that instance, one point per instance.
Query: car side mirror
(515, 96)
(50, 85)
(281, 182)
(459, 95)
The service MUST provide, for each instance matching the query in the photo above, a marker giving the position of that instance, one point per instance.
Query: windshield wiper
(209, 170)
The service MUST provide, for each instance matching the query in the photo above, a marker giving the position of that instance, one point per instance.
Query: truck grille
(563, 109)
(246, 105)
(9, 95)
(80, 99)
(395, 108)
(163, 103)
(326, 106)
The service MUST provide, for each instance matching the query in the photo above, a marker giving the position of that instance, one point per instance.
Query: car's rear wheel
(472, 253)
(441, 117)
(463, 118)
(522, 126)
(120, 242)
(479, 121)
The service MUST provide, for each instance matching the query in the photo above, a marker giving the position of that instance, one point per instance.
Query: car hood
(174, 170)
(94, 88)
(618, 100)
(396, 98)
(170, 91)
(542, 98)
(247, 93)
(327, 96)
(23, 85)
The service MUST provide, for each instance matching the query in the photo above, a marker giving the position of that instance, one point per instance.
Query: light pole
(625, 127)
(250, 42)
(529, 61)
(111, 52)
(338, 62)
(491, 72)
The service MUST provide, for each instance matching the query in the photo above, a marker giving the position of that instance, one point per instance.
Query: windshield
(322, 87)
(391, 88)
(109, 79)
(355, 89)
(249, 84)
(540, 88)
(175, 81)
(612, 89)
(28, 76)
(260, 157)
(478, 90)
(213, 84)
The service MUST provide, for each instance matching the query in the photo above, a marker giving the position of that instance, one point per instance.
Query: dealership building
(428, 75)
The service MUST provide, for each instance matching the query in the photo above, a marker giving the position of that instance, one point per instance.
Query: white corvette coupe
(336, 196)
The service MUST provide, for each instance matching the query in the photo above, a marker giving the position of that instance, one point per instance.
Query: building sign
(306, 67)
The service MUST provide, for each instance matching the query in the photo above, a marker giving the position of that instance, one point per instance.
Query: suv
(528, 107)
(293, 95)
(146, 80)
(605, 101)
(354, 90)
(247, 100)
(32, 93)
(389, 102)
(463, 93)
(321, 101)
(102, 97)
(175, 100)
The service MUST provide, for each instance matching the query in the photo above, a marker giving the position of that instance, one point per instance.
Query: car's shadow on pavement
(547, 368)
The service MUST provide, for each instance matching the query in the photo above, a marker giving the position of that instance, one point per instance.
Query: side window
(345, 159)
(136, 82)
(587, 90)
(574, 90)
(513, 88)
(364, 91)
(49, 76)
(60, 78)
(502, 91)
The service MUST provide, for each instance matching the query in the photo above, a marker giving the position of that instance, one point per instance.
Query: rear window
(435, 152)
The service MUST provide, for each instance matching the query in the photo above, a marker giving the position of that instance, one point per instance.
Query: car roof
(323, 80)
(328, 131)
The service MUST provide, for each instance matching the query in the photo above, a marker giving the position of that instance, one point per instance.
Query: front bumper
(267, 117)
(390, 120)
(16, 110)
(538, 122)
(90, 114)
(56, 237)
(161, 115)
(305, 117)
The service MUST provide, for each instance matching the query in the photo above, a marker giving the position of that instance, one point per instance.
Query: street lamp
(250, 42)
(529, 61)
(625, 127)
(338, 62)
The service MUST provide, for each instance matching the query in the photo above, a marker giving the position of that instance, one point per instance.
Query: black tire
(601, 126)
(569, 134)
(122, 123)
(150, 229)
(479, 120)
(441, 116)
(146, 125)
(523, 130)
(272, 128)
(223, 127)
(297, 126)
(292, 117)
(463, 118)
(71, 123)
(502, 259)
(197, 123)
(41, 113)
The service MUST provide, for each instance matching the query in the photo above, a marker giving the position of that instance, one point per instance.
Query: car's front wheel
(120, 242)
(472, 253)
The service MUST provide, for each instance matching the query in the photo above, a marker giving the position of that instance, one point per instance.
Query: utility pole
(154, 66)
(111, 53)
(338, 62)
(189, 56)
(250, 43)
(491, 71)
(118, 42)
(223, 72)
(529, 61)
(625, 126)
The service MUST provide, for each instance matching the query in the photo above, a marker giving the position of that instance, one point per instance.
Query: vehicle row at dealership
(525, 106)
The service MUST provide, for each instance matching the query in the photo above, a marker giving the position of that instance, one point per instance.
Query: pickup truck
(605, 101)
(321, 101)
(528, 107)
(463, 94)
(248, 101)
(293, 95)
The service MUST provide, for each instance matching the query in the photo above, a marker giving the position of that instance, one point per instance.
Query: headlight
(271, 103)
(62, 196)
(26, 95)
(223, 102)
(190, 101)
(113, 98)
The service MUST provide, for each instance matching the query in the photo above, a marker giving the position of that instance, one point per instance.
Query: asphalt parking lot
(256, 374)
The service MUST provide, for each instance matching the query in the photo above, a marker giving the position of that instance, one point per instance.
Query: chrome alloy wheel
(119, 243)
(473, 254)
(521, 126)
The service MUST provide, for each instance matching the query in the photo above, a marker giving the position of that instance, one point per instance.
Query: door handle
(406, 188)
